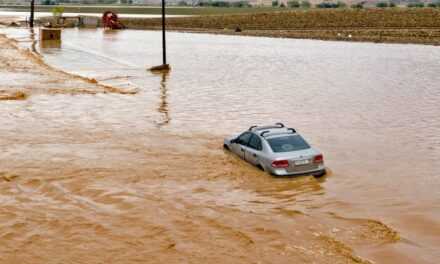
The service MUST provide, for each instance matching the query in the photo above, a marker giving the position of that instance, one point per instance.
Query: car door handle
(255, 155)
(242, 149)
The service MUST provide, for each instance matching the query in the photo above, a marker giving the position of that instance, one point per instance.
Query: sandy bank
(23, 73)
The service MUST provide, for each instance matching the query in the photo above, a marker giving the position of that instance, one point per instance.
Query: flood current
(372, 109)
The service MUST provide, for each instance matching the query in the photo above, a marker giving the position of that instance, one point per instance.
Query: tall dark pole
(164, 67)
(31, 19)
(164, 48)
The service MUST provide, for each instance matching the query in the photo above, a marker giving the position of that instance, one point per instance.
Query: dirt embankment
(23, 73)
(7, 20)
(376, 25)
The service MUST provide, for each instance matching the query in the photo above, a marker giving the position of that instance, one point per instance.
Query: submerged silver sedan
(278, 150)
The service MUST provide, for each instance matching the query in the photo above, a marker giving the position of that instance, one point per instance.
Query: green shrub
(240, 4)
(221, 4)
(434, 4)
(392, 4)
(282, 5)
(382, 4)
(305, 4)
(322, 5)
(293, 4)
(275, 3)
(359, 5)
(49, 2)
(201, 3)
(58, 11)
(339, 4)
(416, 4)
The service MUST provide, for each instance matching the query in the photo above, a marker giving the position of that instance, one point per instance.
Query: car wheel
(319, 174)
(263, 168)
(225, 147)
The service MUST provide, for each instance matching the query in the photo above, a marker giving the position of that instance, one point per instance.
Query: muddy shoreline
(19, 65)
(143, 195)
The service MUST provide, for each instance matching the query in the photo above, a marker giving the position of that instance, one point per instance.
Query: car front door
(240, 144)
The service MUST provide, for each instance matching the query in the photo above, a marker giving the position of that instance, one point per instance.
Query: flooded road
(25, 15)
(149, 166)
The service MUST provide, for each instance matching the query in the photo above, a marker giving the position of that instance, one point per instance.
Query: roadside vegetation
(146, 10)
(385, 4)
(338, 4)
(434, 4)
(416, 4)
(237, 4)
(218, 7)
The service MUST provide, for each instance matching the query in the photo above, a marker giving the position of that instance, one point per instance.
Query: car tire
(319, 173)
(261, 167)
(225, 147)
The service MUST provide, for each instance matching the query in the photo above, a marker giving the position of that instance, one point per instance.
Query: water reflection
(163, 108)
(110, 34)
(48, 44)
(34, 42)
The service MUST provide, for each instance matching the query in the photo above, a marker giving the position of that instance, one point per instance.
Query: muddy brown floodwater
(136, 174)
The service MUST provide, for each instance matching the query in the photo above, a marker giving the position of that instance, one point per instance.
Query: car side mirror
(234, 141)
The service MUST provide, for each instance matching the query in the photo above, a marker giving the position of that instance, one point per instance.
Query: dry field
(376, 25)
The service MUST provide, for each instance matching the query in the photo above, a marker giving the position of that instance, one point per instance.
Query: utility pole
(164, 47)
(31, 19)
(164, 67)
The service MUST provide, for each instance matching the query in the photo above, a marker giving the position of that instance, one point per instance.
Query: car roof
(258, 128)
(276, 130)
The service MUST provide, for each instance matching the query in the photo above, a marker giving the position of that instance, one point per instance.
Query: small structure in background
(50, 34)
(110, 21)
(88, 21)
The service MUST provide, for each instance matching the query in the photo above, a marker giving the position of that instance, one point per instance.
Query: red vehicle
(110, 20)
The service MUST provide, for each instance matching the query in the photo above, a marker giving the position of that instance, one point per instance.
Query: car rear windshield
(287, 143)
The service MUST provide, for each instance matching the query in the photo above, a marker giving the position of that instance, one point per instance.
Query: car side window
(244, 139)
(255, 143)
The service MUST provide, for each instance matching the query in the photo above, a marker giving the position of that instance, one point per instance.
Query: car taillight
(318, 158)
(280, 164)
